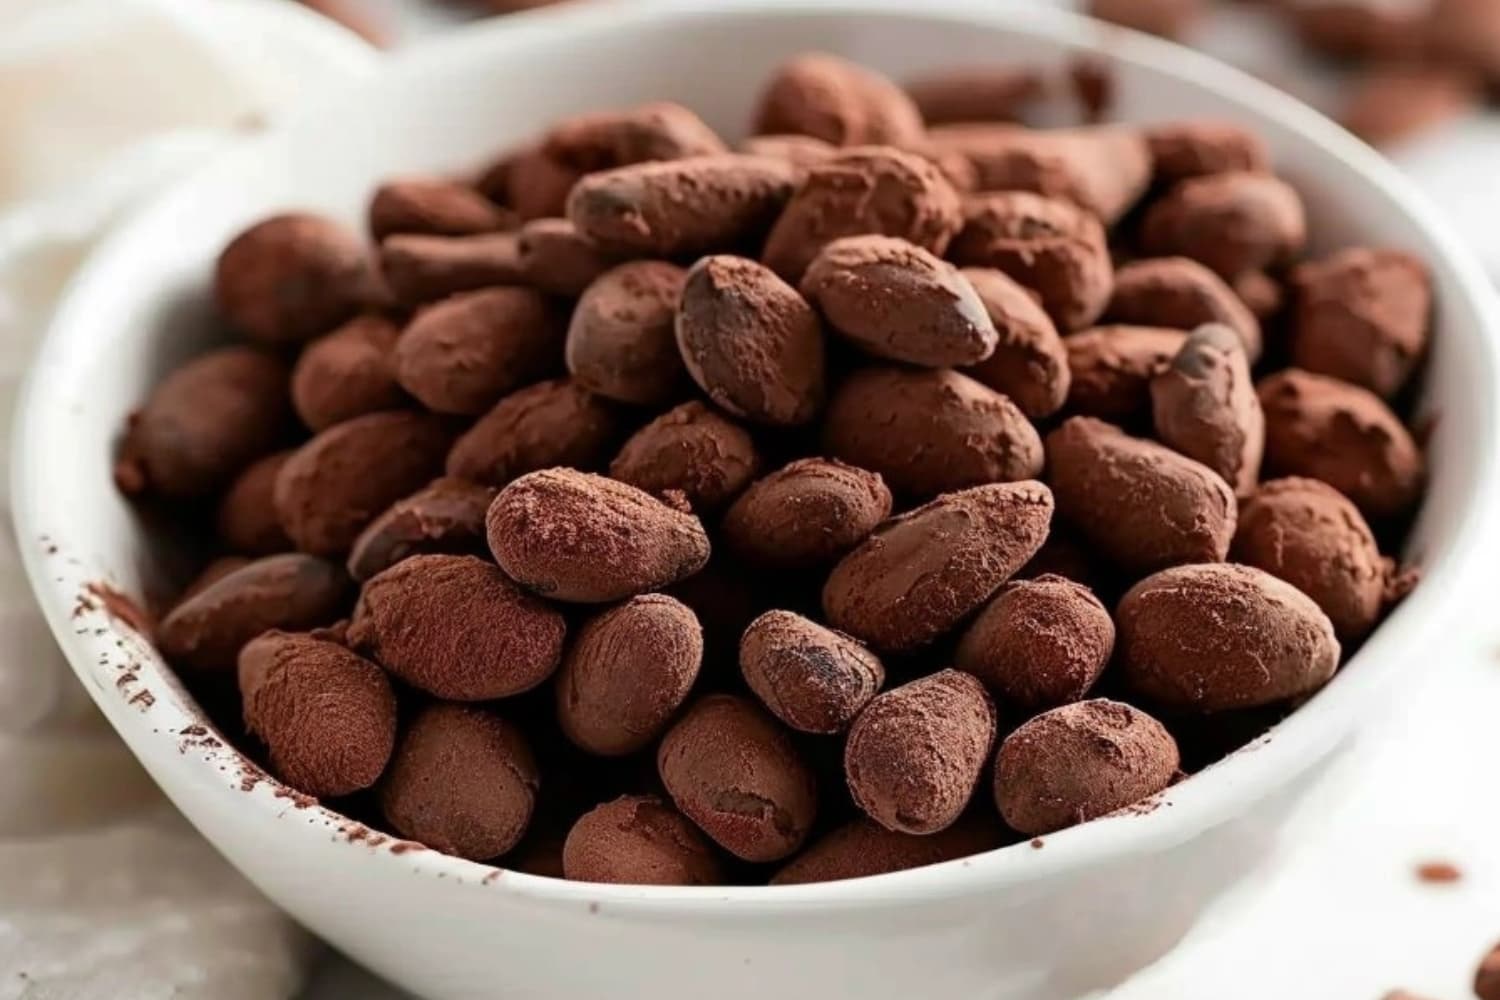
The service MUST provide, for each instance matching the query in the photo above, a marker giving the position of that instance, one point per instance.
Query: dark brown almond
(1231, 222)
(692, 449)
(1112, 368)
(977, 94)
(1222, 636)
(735, 773)
(335, 484)
(1194, 148)
(806, 514)
(601, 140)
(1182, 294)
(433, 206)
(421, 269)
(291, 591)
(915, 753)
(621, 343)
(751, 342)
(1053, 247)
(557, 259)
(347, 373)
(1030, 363)
(897, 301)
(679, 208)
(247, 519)
(445, 516)
(812, 678)
(922, 573)
(573, 536)
(455, 627)
(557, 422)
(291, 277)
(858, 191)
(627, 672)
(461, 355)
(1163, 508)
(1204, 405)
(929, 432)
(638, 840)
(837, 101)
(204, 423)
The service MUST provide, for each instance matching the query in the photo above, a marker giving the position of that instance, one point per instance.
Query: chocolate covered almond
(433, 206)
(554, 257)
(812, 678)
(923, 572)
(600, 140)
(838, 101)
(1204, 405)
(621, 343)
(291, 277)
(693, 449)
(1181, 294)
(1029, 363)
(638, 840)
(993, 93)
(864, 848)
(246, 517)
(1232, 222)
(572, 536)
(419, 268)
(557, 422)
(1196, 147)
(446, 515)
(348, 373)
(805, 514)
(1111, 369)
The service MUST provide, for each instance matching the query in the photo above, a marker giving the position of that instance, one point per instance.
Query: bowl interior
(141, 306)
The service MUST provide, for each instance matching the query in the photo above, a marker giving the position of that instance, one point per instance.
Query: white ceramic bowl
(1083, 911)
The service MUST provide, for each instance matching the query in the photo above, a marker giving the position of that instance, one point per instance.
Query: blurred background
(104, 891)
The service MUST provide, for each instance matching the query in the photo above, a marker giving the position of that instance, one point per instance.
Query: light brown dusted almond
(1112, 368)
(864, 190)
(838, 101)
(677, 208)
(346, 373)
(923, 572)
(573, 536)
(529, 181)
(638, 840)
(977, 93)
(621, 343)
(461, 355)
(1221, 636)
(1204, 405)
(1193, 148)
(806, 514)
(1181, 294)
(1232, 222)
(751, 342)
(557, 422)
(420, 268)
(812, 678)
(736, 774)
(1030, 363)
(693, 449)
(864, 847)
(1051, 246)
(915, 754)
(434, 206)
(800, 150)
(600, 140)
(929, 431)
(446, 515)
(897, 301)
(627, 672)
(1141, 504)
(554, 257)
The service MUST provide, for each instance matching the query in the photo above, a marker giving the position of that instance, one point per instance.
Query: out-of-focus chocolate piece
(461, 355)
(1051, 246)
(1081, 761)
(1204, 405)
(211, 574)
(738, 776)
(1182, 294)
(621, 343)
(837, 101)
(291, 591)
(335, 484)
(679, 208)
(897, 301)
(1162, 508)
(627, 672)
(1197, 147)
(1487, 976)
(864, 847)
(1261, 293)
(531, 182)
(751, 342)
(929, 431)
(1040, 643)
(864, 190)
(1326, 429)
(799, 150)
(977, 94)
(419, 268)
(806, 514)
(327, 716)
(455, 627)
(204, 423)
(347, 373)
(1360, 29)
(246, 516)
(923, 572)
(1030, 363)
(462, 781)
(1167, 18)
(1386, 105)
(1362, 315)
(638, 840)
(445, 516)
(291, 277)
(915, 753)
(601, 140)
(557, 259)
(812, 678)
(557, 422)
(1232, 222)
(434, 206)
(693, 449)
(1309, 534)
(573, 536)
(1208, 638)
(1112, 368)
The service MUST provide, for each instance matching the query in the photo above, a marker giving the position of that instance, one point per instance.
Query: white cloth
(105, 891)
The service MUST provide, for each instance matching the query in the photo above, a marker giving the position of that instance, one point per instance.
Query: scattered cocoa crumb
(1439, 872)
(300, 800)
(117, 605)
(1037, 843)
(145, 699)
(593, 907)
(1094, 87)
(402, 846)
(126, 679)
(492, 876)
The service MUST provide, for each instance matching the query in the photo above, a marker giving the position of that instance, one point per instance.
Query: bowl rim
(1209, 798)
